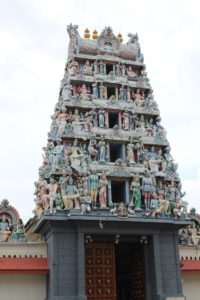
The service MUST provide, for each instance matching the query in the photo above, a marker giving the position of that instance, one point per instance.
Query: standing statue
(58, 155)
(194, 235)
(126, 120)
(172, 196)
(54, 129)
(63, 117)
(128, 93)
(53, 193)
(101, 114)
(154, 160)
(103, 184)
(122, 93)
(73, 34)
(96, 67)
(93, 183)
(94, 118)
(123, 70)
(95, 92)
(136, 198)
(92, 149)
(118, 69)
(101, 67)
(63, 180)
(102, 149)
(130, 152)
(102, 91)
(88, 125)
(147, 189)
(133, 120)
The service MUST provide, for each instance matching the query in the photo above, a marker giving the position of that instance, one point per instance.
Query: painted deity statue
(139, 98)
(102, 91)
(130, 72)
(63, 117)
(130, 152)
(135, 188)
(102, 149)
(147, 189)
(63, 180)
(101, 114)
(95, 92)
(4, 225)
(73, 68)
(67, 92)
(122, 94)
(71, 196)
(126, 120)
(128, 93)
(76, 154)
(85, 202)
(53, 193)
(87, 68)
(103, 184)
(94, 117)
(93, 183)
(92, 149)
(58, 155)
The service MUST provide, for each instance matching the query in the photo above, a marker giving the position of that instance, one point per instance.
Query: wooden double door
(114, 272)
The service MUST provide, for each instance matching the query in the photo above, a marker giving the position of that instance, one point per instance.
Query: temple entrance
(129, 259)
(114, 272)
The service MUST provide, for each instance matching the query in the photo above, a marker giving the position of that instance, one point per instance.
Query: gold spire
(120, 37)
(95, 35)
(87, 33)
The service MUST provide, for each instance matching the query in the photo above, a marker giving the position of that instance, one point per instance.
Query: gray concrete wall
(66, 256)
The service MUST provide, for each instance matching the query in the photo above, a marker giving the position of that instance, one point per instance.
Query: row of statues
(64, 121)
(80, 154)
(74, 68)
(100, 91)
(89, 191)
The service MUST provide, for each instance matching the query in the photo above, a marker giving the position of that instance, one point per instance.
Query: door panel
(100, 271)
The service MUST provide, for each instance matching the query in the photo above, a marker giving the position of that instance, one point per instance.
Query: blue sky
(33, 52)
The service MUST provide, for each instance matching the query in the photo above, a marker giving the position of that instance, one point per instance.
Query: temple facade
(109, 202)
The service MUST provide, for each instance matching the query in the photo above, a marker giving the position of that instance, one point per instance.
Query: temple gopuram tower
(109, 200)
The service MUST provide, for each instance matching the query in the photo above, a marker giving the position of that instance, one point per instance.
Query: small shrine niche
(109, 68)
(111, 91)
(113, 119)
(116, 152)
(11, 226)
(118, 191)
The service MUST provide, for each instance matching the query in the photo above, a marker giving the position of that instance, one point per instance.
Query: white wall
(23, 286)
(191, 286)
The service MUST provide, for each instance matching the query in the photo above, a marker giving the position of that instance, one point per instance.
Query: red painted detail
(190, 266)
(24, 265)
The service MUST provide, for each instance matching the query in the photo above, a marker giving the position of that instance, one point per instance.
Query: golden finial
(120, 37)
(87, 34)
(95, 35)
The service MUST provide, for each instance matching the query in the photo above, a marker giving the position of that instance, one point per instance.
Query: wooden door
(100, 271)
(137, 273)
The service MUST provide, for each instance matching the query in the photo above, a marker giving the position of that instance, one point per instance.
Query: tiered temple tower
(108, 199)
